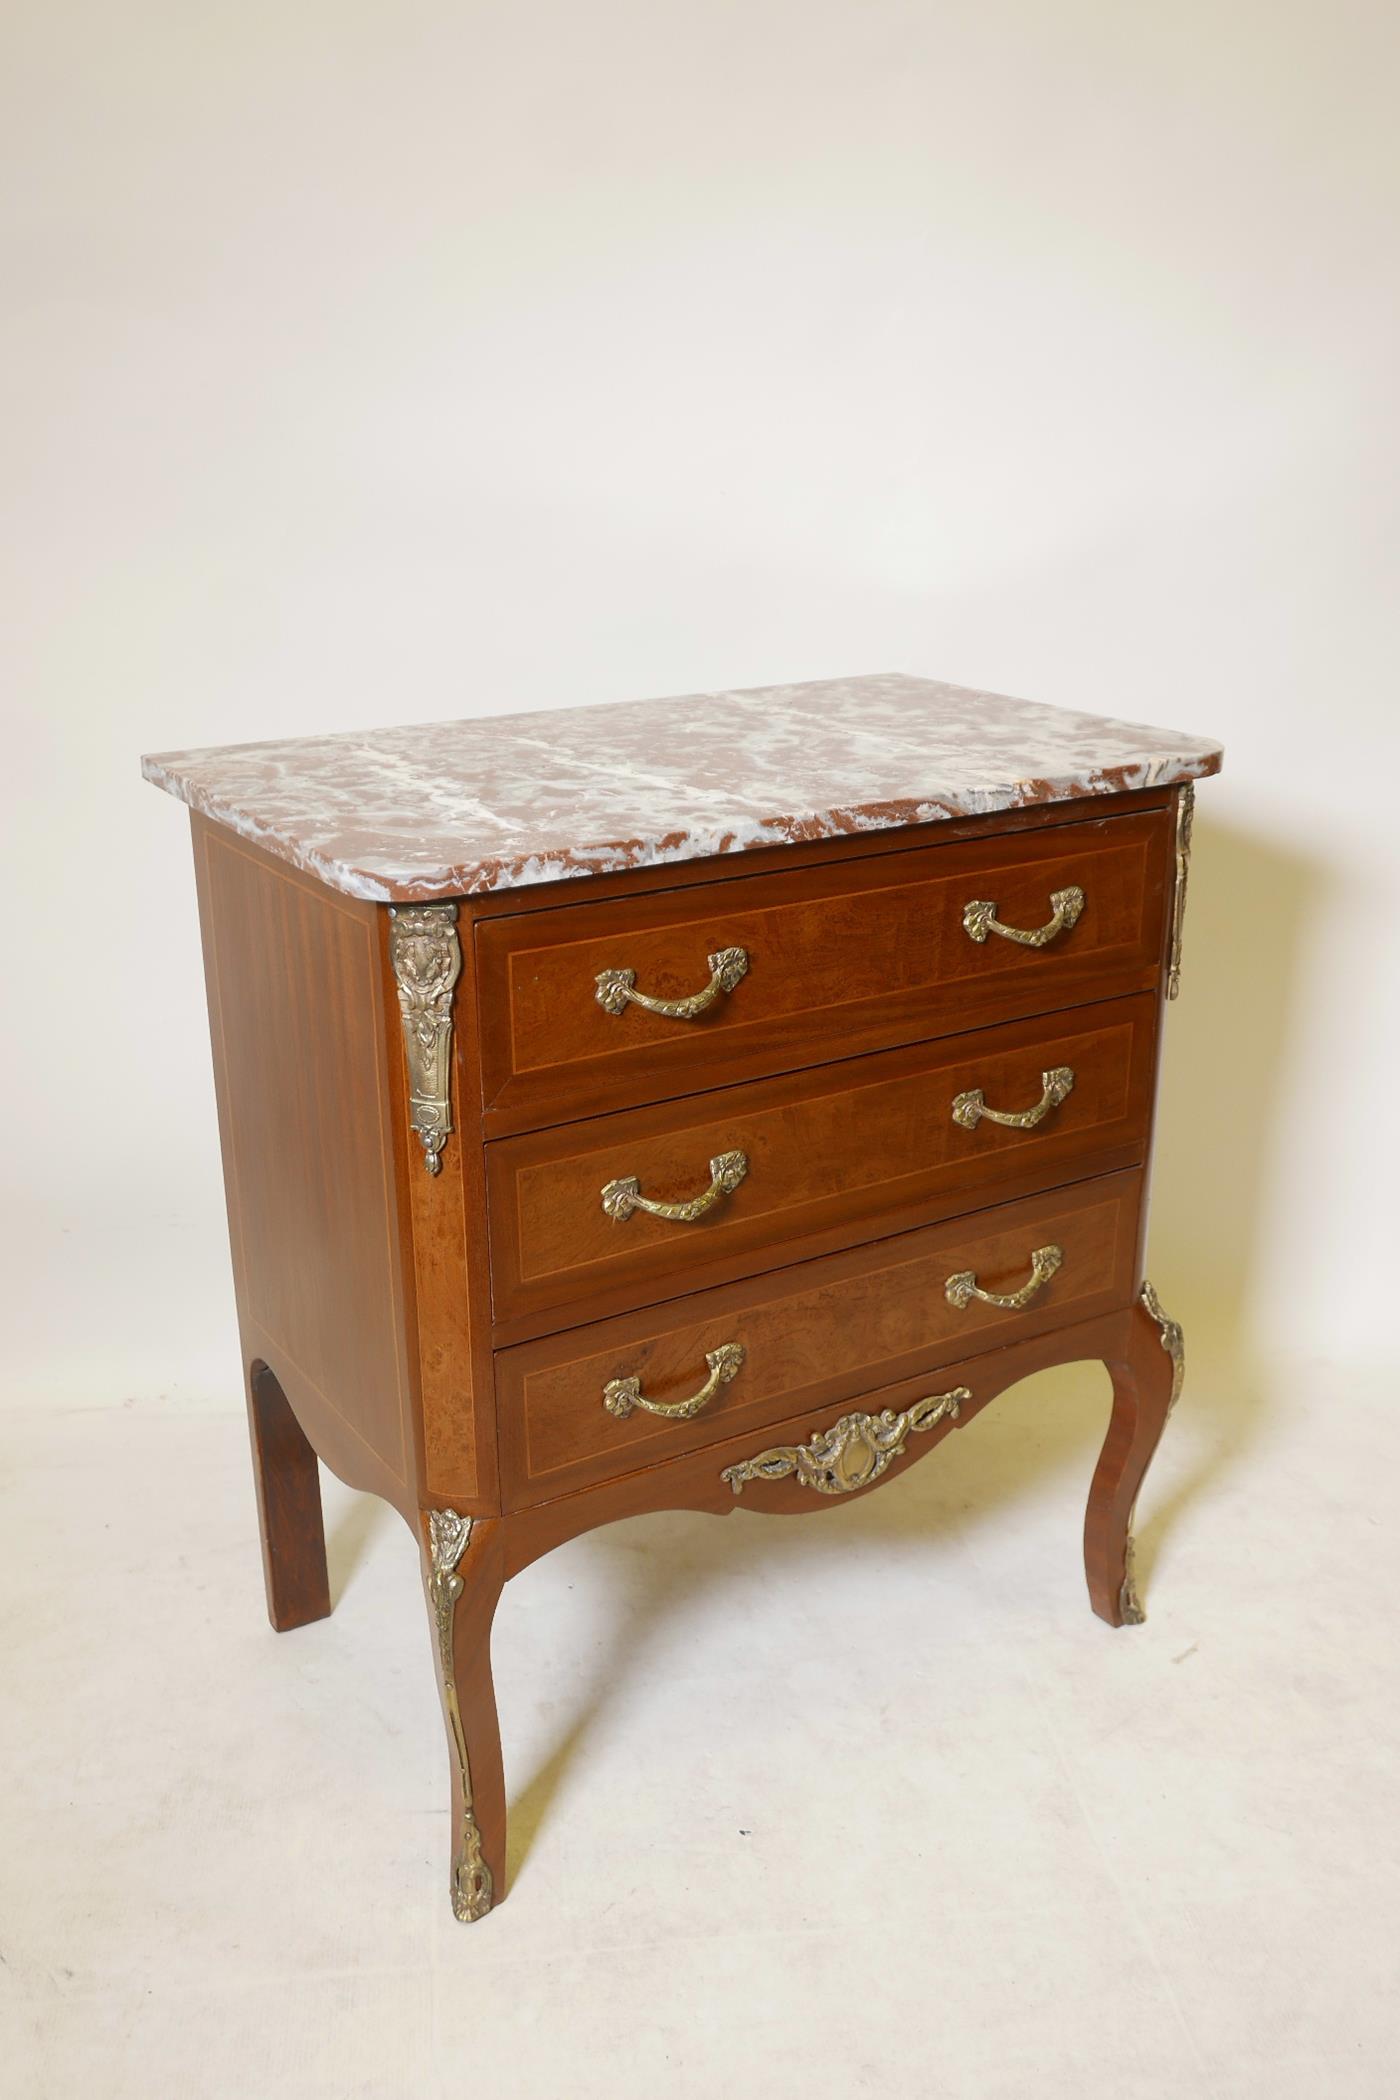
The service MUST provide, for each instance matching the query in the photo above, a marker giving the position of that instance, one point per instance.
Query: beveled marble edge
(381, 874)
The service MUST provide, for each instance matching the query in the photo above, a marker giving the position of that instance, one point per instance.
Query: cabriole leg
(289, 1507)
(1146, 1383)
(463, 1572)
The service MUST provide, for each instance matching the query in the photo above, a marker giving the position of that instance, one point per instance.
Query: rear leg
(289, 1506)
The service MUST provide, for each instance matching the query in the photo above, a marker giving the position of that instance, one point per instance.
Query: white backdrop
(375, 363)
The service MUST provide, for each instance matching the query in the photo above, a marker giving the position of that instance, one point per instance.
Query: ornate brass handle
(727, 1170)
(960, 1290)
(980, 919)
(1058, 1082)
(621, 1395)
(727, 966)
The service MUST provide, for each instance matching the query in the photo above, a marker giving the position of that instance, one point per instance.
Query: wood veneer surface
(837, 1154)
(814, 1335)
(843, 958)
(297, 1022)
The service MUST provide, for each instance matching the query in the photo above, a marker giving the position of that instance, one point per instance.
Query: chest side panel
(306, 1119)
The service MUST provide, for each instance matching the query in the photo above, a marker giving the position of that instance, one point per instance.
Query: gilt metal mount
(448, 1538)
(1130, 1609)
(1185, 816)
(427, 961)
(854, 1453)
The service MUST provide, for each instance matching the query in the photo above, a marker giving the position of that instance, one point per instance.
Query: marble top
(447, 808)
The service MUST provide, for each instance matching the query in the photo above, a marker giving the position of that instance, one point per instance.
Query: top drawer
(844, 957)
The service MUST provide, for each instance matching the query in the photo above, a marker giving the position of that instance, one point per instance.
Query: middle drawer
(780, 1170)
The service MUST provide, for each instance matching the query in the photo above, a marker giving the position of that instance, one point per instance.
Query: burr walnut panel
(829, 1156)
(835, 960)
(815, 1335)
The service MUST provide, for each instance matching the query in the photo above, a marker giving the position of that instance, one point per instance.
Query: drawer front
(831, 1155)
(846, 957)
(572, 1408)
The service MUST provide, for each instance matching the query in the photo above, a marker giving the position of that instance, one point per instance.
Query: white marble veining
(446, 809)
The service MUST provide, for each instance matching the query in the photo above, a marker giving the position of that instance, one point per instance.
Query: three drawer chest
(691, 1104)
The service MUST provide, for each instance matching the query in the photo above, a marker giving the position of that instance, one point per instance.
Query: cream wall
(371, 363)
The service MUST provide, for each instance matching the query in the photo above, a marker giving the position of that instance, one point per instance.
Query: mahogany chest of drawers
(679, 1104)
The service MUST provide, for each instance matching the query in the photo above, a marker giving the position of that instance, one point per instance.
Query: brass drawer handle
(1058, 1082)
(727, 1170)
(621, 1395)
(961, 1289)
(980, 919)
(727, 966)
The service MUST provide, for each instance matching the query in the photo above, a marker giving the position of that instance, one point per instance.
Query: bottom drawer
(575, 1408)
